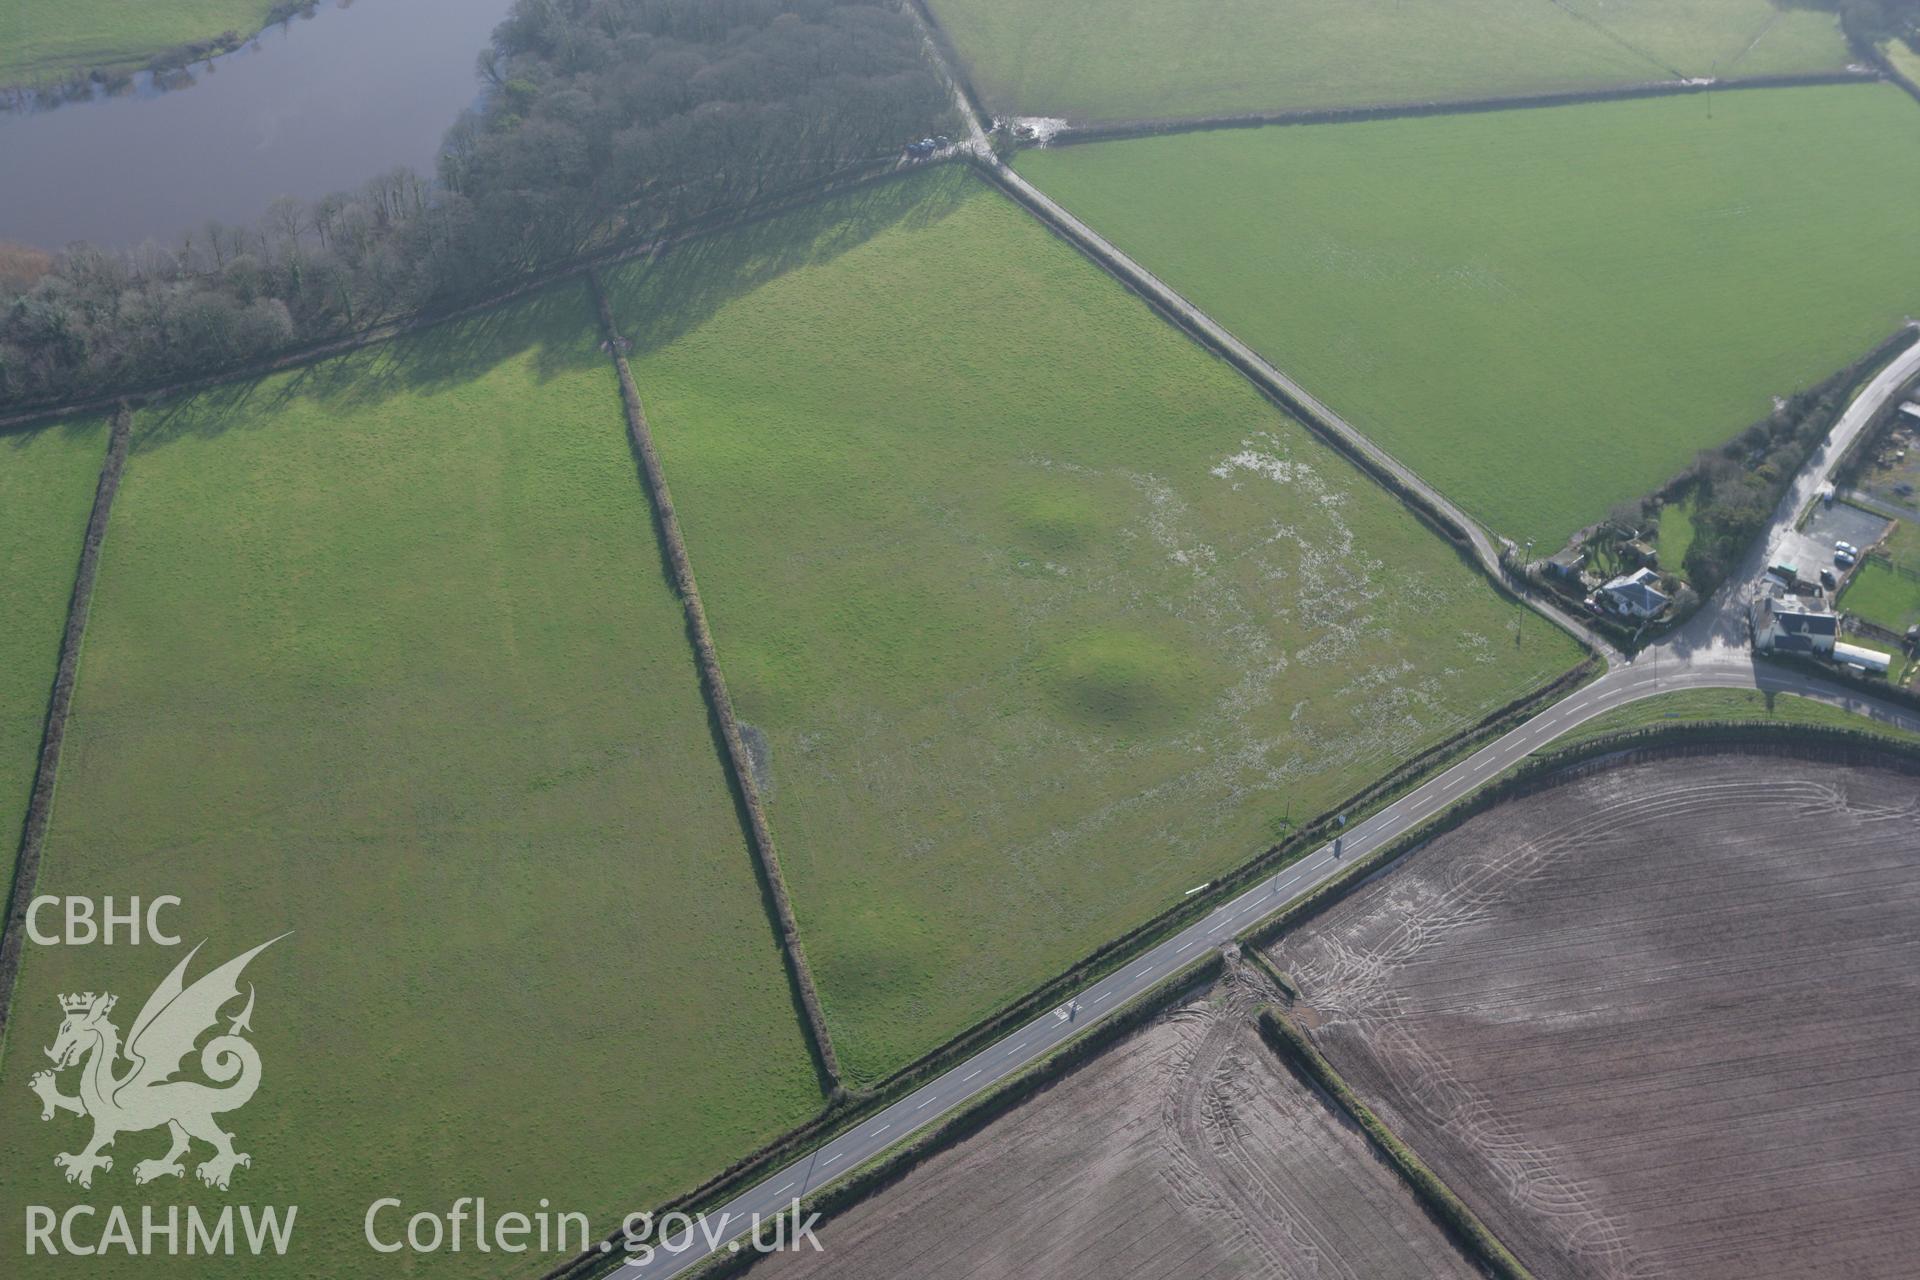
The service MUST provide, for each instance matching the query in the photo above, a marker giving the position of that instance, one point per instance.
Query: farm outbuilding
(1567, 564)
(1868, 659)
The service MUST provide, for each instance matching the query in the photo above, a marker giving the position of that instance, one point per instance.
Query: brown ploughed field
(1185, 1150)
(1663, 1020)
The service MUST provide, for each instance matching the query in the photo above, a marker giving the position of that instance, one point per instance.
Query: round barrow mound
(1659, 1019)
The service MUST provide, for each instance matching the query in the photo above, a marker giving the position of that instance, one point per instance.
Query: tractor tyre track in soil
(1714, 1067)
(1184, 1149)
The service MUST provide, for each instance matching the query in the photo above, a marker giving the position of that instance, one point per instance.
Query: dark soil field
(1659, 1021)
(1187, 1150)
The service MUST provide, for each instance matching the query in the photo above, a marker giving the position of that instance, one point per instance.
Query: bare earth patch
(1659, 1021)
(1187, 1150)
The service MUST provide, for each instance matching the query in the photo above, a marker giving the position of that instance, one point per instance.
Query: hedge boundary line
(853, 178)
(957, 67)
(1321, 421)
(739, 763)
(1838, 392)
(1293, 1047)
(1856, 376)
(1120, 130)
(1883, 689)
(851, 1109)
(1629, 746)
(33, 834)
(1868, 51)
(1895, 76)
(1539, 773)
(1118, 951)
(1434, 518)
(870, 1179)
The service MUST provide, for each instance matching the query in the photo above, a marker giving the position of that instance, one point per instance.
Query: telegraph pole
(1526, 567)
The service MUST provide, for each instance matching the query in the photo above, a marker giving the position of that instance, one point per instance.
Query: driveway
(1810, 548)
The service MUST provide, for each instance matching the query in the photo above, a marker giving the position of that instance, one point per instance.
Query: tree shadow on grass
(556, 325)
(662, 299)
(82, 427)
(654, 302)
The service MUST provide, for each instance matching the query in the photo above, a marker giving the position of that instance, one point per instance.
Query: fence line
(739, 763)
(33, 834)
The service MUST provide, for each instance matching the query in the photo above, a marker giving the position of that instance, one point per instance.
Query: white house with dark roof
(1636, 594)
(1794, 624)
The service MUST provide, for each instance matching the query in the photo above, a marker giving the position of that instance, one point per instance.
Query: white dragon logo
(147, 1096)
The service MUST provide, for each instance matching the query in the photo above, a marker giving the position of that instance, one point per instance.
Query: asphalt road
(1653, 673)
(1711, 653)
(1720, 628)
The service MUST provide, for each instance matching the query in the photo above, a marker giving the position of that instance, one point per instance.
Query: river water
(312, 106)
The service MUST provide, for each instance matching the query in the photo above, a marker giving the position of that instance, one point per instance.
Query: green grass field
(382, 653)
(1740, 705)
(1045, 616)
(1093, 60)
(1543, 312)
(40, 38)
(47, 479)
(1903, 545)
(1904, 59)
(1888, 595)
(1883, 596)
(1676, 533)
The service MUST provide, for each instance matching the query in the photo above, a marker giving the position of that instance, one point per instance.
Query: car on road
(1845, 559)
(1827, 579)
(1846, 548)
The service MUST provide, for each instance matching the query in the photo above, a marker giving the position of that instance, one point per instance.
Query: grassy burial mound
(47, 480)
(1543, 312)
(44, 38)
(1186, 1149)
(382, 653)
(1039, 615)
(1656, 1021)
(1094, 60)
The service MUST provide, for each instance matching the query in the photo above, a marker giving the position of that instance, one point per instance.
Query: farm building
(1794, 624)
(1567, 564)
(1635, 594)
(1866, 659)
